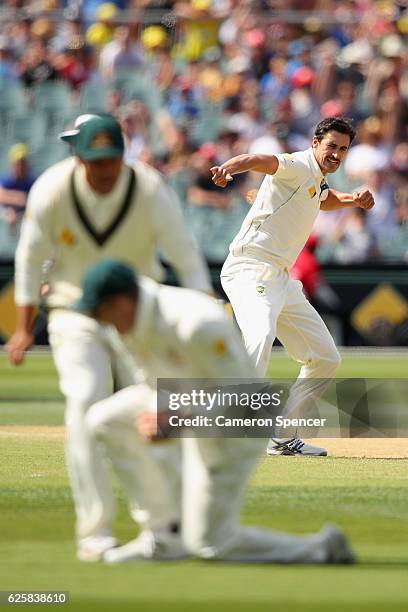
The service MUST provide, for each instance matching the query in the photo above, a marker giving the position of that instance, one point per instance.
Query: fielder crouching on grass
(179, 333)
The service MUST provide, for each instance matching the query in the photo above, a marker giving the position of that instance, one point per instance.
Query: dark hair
(344, 125)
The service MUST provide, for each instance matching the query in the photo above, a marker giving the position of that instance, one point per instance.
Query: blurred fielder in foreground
(85, 208)
(183, 334)
(266, 301)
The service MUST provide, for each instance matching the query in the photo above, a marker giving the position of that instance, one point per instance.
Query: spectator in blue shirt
(8, 70)
(14, 187)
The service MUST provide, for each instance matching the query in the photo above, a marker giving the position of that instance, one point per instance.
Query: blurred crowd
(197, 81)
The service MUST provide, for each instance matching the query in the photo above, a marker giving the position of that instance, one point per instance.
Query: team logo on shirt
(219, 347)
(312, 191)
(260, 289)
(101, 141)
(67, 237)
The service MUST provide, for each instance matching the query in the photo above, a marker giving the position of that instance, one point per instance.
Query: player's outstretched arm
(34, 246)
(222, 175)
(336, 200)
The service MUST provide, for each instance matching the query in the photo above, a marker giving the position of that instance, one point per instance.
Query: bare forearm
(13, 197)
(23, 337)
(267, 164)
(337, 200)
(222, 175)
(25, 317)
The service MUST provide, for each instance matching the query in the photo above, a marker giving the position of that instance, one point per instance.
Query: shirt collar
(314, 165)
(89, 197)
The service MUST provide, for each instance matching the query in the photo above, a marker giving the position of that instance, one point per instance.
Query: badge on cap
(101, 141)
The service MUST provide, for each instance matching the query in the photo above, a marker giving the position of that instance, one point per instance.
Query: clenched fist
(364, 199)
(220, 176)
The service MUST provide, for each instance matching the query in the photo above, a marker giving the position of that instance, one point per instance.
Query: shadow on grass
(39, 399)
(228, 606)
(383, 564)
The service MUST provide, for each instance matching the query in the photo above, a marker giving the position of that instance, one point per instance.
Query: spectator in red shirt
(308, 270)
(75, 62)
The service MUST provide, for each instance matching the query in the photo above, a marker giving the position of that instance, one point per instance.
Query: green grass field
(367, 497)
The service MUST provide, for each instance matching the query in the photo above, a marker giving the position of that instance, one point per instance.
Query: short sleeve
(291, 167)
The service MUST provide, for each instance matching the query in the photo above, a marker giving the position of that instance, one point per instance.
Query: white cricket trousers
(215, 474)
(149, 473)
(86, 357)
(269, 304)
(215, 479)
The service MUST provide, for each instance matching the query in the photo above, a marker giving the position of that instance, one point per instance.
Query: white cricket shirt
(179, 333)
(281, 219)
(70, 224)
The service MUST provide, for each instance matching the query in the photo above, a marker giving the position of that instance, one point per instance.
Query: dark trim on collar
(101, 237)
(315, 165)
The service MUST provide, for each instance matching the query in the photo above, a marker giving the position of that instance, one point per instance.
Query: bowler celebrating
(267, 302)
(81, 210)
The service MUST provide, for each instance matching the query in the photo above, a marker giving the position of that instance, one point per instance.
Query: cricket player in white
(266, 301)
(85, 208)
(179, 333)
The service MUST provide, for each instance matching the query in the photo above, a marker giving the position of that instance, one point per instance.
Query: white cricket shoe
(337, 546)
(294, 446)
(149, 546)
(94, 547)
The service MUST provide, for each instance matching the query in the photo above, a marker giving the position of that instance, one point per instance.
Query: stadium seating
(8, 239)
(214, 228)
(4, 159)
(180, 182)
(12, 98)
(209, 124)
(142, 90)
(396, 250)
(93, 97)
(30, 127)
(50, 153)
(52, 97)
